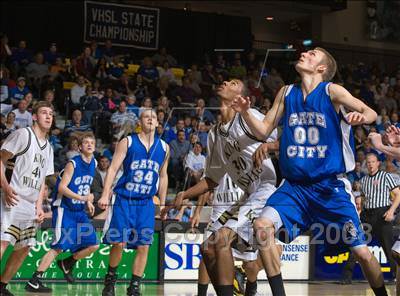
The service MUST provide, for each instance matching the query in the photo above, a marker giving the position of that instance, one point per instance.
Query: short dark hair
(41, 104)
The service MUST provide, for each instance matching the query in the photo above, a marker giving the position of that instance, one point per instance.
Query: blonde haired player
(26, 159)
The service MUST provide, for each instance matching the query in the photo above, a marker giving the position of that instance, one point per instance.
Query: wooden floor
(190, 289)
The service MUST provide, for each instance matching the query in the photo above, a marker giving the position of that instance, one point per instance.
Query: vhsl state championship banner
(124, 25)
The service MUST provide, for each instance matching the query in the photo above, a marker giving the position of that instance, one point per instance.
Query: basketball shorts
(130, 221)
(325, 207)
(73, 230)
(18, 223)
(239, 218)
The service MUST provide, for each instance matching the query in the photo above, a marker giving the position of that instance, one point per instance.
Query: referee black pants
(375, 226)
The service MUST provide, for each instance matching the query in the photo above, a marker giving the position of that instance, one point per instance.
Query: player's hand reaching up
(393, 135)
(241, 104)
(10, 196)
(355, 118)
(260, 154)
(376, 139)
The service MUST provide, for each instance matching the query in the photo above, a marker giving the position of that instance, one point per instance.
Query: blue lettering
(190, 255)
(171, 254)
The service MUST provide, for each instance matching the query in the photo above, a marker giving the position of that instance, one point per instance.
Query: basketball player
(231, 147)
(72, 227)
(225, 194)
(314, 149)
(130, 220)
(393, 136)
(26, 160)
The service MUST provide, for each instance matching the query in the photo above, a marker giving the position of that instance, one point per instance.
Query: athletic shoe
(67, 272)
(239, 281)
(109, 285)
(133, 291)
(5, 292)
(36, 285)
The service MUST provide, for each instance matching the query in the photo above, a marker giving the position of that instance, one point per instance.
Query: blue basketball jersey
(80, 183)
(316, 141)
(141, 168)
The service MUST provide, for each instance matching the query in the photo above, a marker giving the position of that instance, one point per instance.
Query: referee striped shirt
(376, 189)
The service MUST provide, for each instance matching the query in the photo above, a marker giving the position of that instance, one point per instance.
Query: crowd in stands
(96, 91)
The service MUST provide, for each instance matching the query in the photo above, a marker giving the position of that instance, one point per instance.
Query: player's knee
(363, 255)
(224, 238)
(207, 250)
(396, 257)
(264, 229)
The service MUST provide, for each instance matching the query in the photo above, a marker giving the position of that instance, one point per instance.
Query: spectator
(237, 70)
(251, 62)
(109, 152)
(359, 137)
(10, 124)
(78, 91)
(58, 67)
(166, 71)
(131, 106)
(21, 56)
(22, 117)
(221, 66)
(95, 50)
(148, 72)
(141, 91)
(17, 93)
(76, 127)
(98, 182)
(179, 149)
(196, 74)
(193, 83)
(394, 119)
(357, 174)
(202, 113)
(273, 81)
(36, 70)
(89, 105)
(73, 148)
(184, 94)
(108, 51)
(116, 69)
(108, 102)
(162, 56)
(208, 80)
(146, 104)
(195, 164)
(85, 63)
(51, 55)
(101, 69)
(389, 102)
(123, 122)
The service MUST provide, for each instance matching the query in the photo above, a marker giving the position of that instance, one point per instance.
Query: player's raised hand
(241, 104)
(393, 135)
(10, 196)
(355, 118)
(376, 139)
(260, 154)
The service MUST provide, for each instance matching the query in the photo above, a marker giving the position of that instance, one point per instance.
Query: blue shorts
(325, 207)
(73, 230)
(130, 221)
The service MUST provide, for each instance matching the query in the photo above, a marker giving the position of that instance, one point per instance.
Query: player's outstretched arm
(118, 158)
(10, 196)
(65, 180)
(362, 114)
(261, 129)
(163, 189)
(376, 141)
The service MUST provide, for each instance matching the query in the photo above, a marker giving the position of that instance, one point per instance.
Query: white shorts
(239, 218)
(18, 223)
(396, 246)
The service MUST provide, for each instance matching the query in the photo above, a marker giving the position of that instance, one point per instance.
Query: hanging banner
(124, 25)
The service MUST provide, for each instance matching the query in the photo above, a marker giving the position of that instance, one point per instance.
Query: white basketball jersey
(32, 162)
(226, 194)
(230, 150)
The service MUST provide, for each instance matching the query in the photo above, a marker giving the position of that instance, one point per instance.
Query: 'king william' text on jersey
(316, 141)
(141, 168)
(80, 183)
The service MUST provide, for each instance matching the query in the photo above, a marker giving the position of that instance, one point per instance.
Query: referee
(378, 208)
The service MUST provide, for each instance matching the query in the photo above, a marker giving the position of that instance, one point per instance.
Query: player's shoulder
(164, 145)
